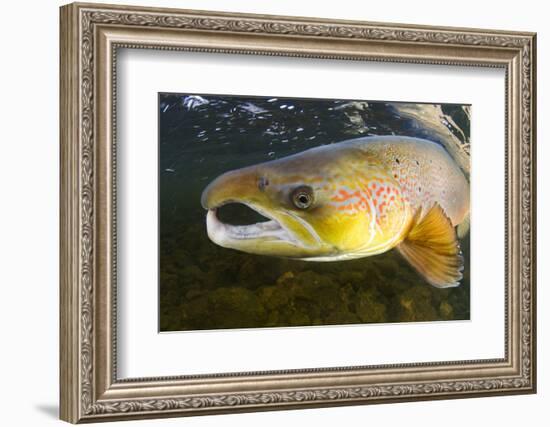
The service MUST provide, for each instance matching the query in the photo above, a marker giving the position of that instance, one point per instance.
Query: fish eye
(302, 197)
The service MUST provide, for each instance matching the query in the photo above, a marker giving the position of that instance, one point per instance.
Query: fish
(352, 199)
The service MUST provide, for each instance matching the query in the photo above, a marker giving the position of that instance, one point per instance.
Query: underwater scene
(367, 222)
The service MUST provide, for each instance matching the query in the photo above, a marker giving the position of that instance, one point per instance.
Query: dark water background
(204, 286)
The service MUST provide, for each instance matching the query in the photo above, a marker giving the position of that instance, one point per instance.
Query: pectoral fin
(432, 248)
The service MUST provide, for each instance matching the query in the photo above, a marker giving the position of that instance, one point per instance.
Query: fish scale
(426, 174)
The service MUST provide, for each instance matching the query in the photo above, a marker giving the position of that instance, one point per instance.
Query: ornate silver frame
(90, 36)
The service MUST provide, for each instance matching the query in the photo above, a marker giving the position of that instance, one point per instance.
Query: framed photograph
(266, 212)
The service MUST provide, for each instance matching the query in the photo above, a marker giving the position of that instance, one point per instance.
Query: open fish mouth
(278, 231)
(227, 235)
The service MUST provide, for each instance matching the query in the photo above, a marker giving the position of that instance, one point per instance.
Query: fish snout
(206, 196)
(235, 186)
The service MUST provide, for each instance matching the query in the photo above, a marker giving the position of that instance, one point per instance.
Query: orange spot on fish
(365, 206)
(344, 195)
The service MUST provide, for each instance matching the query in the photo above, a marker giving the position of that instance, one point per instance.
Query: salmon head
(320, 204)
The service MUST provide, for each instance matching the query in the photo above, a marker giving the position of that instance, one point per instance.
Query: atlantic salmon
(352, 199)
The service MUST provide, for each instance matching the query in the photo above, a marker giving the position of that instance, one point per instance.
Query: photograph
(262, 211)
(278, 211)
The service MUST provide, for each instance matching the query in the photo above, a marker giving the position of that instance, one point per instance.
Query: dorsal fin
(432, 248)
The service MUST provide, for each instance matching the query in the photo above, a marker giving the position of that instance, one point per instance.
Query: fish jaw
(285, 234)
